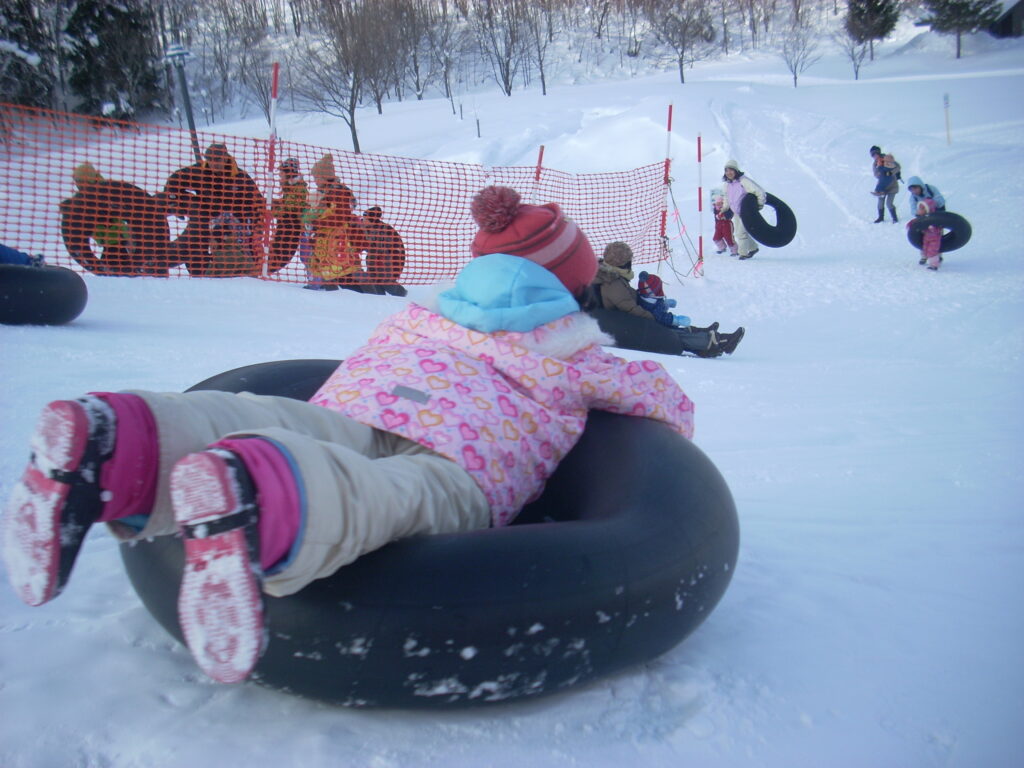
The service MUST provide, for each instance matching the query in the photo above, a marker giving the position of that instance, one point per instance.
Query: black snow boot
(730, 341)
(698, 341)
(881, 217)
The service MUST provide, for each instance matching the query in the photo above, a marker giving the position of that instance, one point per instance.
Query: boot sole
(41, 534)
(220, 606)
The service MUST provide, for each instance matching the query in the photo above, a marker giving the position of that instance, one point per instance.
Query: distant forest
(108, 57)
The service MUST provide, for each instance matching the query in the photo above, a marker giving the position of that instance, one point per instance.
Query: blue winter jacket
(10, 255)
(927, 191)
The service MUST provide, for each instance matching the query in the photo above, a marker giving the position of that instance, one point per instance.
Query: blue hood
(915, 180)
(499, 292)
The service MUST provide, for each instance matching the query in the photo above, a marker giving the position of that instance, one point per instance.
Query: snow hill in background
(869, 427)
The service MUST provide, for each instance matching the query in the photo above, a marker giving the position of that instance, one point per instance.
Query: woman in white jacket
(738, 186)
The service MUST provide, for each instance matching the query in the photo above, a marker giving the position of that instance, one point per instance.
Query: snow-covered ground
(870, 428)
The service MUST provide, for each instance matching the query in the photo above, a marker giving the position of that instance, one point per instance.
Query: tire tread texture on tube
(606, 570)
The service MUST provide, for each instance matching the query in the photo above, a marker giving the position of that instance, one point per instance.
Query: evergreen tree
(115, 58)
(26, 66)
(870, 20)
(962, 16)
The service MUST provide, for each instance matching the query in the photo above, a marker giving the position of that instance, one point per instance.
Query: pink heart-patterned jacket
(505, 406)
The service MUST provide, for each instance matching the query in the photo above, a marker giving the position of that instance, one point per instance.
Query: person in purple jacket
(737, 186)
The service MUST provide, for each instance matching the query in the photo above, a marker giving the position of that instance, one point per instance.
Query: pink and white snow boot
(220, 606)
(58, 497)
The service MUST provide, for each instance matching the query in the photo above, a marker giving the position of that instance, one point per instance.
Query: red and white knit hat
(539, 233)
(650, 286)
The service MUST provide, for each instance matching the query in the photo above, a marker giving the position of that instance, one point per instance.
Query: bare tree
(412, 20)
(500, 33)
(332, 71)
(300, 11)
(748, 13)
(723, 9)
(382, 48)
(856, 50)
(247, 24)
(599, 13)
(798, 47)
(254, 72)
(685, 26)
(446, 39)
(537, 16)
(633, 15)
(757, 15)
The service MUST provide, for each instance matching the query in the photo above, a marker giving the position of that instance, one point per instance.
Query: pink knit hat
(539, 233)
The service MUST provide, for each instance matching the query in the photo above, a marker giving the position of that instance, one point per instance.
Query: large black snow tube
(634, 332)
(957, 236)
(784, 230)
(40, 295)
(631, 546)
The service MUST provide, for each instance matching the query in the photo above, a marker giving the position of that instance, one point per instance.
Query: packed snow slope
(869, 427)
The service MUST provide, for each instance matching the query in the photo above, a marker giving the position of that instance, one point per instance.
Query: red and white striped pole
(698, 270)
(667, 179)
(536, 175)
(274, 74)
(271, 152)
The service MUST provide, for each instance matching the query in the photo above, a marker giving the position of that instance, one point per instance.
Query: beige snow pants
(744, 242)
(363, 487)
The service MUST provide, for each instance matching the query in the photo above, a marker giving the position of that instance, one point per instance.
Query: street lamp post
(177, 54)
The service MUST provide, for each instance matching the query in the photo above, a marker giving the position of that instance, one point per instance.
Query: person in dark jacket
(385, 252)
(113, 227)
(287, 211)
(887, 194)
(203, 191)
(612, 284)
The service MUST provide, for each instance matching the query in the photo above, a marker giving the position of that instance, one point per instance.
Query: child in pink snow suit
(931, 237)
(723, 227)
(448, 419)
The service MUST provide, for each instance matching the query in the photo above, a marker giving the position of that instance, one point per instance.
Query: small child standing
(650, 294)
(931, 237)
(723, 227)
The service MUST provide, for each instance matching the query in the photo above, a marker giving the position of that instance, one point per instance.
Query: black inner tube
(40, 295)
(957, 237)
(632, 544)
(784, 230)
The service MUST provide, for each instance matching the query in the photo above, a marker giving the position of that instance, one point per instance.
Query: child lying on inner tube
(446, 420)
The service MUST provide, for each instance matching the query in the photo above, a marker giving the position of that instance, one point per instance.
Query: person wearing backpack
(920, 191)
(887, 183)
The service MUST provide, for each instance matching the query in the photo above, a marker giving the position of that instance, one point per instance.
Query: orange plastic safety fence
(119, 198)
